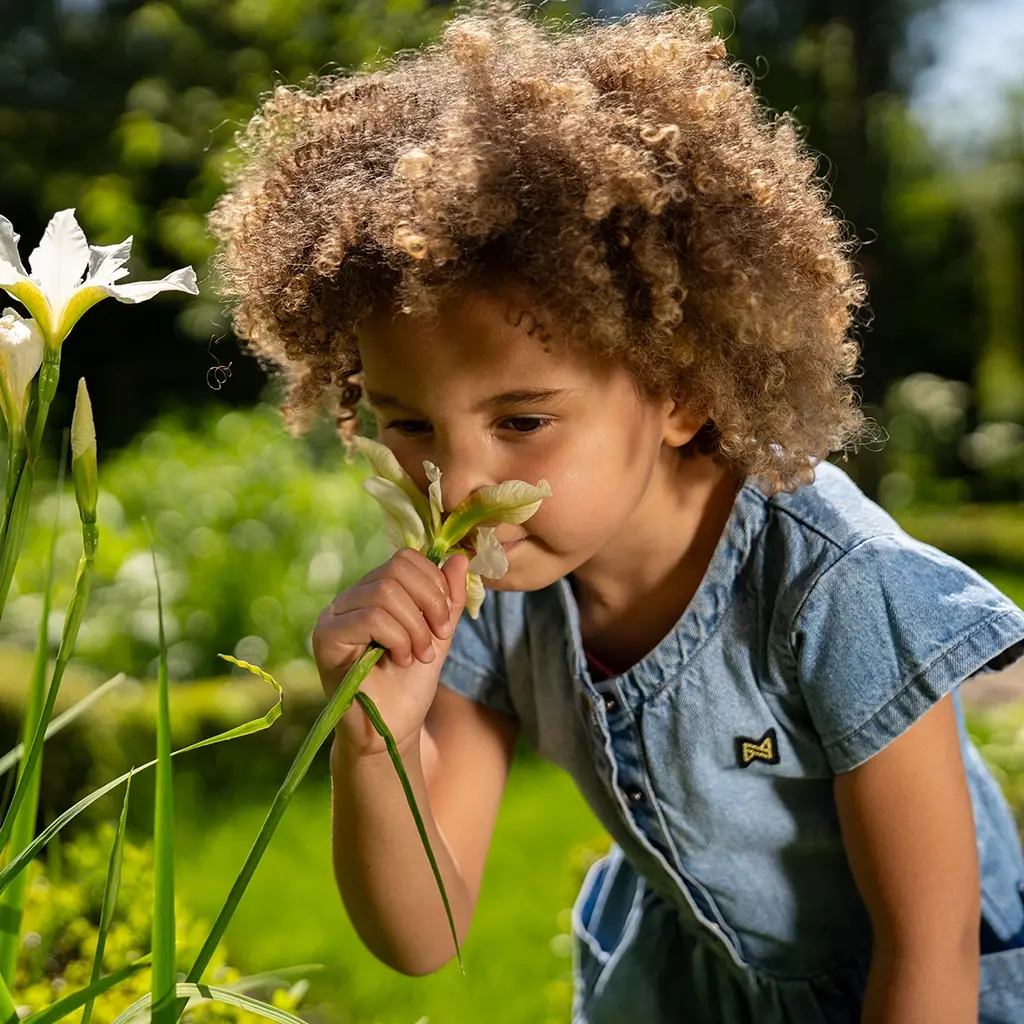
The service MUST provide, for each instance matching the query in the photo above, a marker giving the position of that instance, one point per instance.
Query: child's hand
(409, 606)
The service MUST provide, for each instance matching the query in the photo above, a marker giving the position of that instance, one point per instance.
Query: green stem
(69, 634)
(15, 460)
(20, 480)
(12, 901)
(322, 728)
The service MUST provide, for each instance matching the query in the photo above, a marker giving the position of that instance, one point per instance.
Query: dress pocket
(605, 920)
(1001, 989)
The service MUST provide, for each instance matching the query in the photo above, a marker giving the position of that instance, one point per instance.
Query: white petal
(21, 355)
(60, 259)
(9, 239)
(183, 280)
(397, 506)
(490, 559)
(106, 262)
(434, 495)
(475, 594)
(384, 463)
(383, 460)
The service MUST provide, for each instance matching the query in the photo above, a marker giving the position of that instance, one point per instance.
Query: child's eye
(408, 426)
(525, 424)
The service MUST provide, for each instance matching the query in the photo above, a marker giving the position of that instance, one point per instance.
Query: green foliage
(256, 532)
(59, 933)
(933, 457)
(999, 735)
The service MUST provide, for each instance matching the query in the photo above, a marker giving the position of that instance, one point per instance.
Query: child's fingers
(357, 628)
(454, 571)
(393, 596)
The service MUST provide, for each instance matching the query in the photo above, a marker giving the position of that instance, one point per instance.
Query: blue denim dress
(820, 632)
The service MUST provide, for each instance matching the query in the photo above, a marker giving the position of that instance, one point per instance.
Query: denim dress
(819, 633)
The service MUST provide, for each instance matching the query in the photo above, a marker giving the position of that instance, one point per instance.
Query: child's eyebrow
(520, 396)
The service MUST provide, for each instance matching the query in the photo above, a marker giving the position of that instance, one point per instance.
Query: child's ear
(681, 424)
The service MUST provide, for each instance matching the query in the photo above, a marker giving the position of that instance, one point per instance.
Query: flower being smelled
(419, 522)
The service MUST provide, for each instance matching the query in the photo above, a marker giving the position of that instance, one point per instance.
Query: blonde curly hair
(624, 172)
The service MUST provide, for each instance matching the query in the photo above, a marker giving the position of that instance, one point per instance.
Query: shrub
(255, 531)
(62, 911)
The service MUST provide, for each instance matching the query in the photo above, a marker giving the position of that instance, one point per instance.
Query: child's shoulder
(834, 509)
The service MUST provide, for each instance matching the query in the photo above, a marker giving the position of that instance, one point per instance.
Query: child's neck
(631, 594)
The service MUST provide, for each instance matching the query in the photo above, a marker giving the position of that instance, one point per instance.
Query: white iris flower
(68, 275)
(21, 355)
(418, 522)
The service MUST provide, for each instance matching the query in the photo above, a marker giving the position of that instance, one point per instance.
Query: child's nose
(462, 472)
(458, 481)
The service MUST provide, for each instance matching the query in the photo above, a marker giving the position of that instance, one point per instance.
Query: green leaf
(396, 759)
(8, 1011)
(211, 994)
(12, 757)
(163, 836)
(110, 888)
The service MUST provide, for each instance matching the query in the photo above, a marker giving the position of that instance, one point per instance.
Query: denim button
(611, 703)
(635, 794)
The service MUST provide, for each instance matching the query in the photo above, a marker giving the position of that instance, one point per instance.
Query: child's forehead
(483, 338)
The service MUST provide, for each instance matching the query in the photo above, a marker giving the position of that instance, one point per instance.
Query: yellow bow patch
(764, 749)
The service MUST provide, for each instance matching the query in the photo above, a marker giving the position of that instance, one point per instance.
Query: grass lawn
(292, 912)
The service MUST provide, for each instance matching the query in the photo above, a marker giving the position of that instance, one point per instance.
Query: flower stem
(69, 635)
(322, 728)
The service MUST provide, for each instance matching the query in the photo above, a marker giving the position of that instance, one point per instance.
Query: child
(587, 256)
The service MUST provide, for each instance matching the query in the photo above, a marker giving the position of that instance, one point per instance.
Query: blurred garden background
(126, 111)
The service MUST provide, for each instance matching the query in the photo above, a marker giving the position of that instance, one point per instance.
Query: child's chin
(520, 580)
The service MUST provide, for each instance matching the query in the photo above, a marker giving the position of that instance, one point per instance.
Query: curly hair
(624, 172)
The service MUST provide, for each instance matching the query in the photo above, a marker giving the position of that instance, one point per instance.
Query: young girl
(588, 256)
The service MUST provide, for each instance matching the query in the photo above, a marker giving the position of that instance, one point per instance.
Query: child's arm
(456, 754)
(908, 829)
(458, 771)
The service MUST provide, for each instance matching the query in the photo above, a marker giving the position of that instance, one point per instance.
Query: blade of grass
(396, 759)
(110, 889)
(20, 862)
(193, 994)
(13, 900)
(66, 1006)
(269, 977)
(163, 833)
(8, 1011)
(12, 757)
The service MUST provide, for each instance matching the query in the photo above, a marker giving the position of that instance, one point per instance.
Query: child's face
(488, 402)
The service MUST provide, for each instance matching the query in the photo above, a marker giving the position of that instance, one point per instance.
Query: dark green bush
(255, 532)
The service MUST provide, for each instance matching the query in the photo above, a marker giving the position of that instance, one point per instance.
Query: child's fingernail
(445, 631)
(429, 656)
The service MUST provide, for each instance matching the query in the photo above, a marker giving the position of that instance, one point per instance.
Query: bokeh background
(126, 111)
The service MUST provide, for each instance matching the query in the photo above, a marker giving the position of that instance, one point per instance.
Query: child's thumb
(454, 570)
